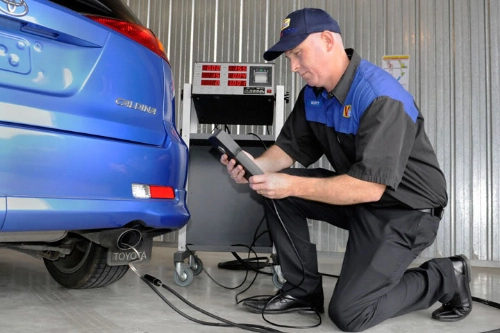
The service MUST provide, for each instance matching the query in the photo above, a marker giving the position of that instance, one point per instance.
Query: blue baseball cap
(297, 26)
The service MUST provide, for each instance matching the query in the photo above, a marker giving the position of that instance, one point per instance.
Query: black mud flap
(124, 257)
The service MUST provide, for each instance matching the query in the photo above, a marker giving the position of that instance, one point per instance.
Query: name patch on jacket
(315, 103)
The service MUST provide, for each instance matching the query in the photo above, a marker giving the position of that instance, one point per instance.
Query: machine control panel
(233, 79)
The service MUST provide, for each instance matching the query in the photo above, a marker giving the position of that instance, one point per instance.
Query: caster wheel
(197, 267)
(185, 278)
(276, 281)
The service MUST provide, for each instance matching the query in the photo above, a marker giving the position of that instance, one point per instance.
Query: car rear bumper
(54, 180)
(40, 214)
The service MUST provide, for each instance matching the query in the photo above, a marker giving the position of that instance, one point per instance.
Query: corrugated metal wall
(454, 76)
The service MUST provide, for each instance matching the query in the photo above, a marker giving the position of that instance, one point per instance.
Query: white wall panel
(454, 76)
(492, 78)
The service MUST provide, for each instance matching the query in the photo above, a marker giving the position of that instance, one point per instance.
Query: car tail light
(143, 191)
(137, 32)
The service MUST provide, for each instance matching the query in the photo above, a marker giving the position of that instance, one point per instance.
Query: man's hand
(272, 185)
(235, 171)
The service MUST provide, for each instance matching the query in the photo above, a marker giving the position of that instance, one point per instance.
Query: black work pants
(375, 282)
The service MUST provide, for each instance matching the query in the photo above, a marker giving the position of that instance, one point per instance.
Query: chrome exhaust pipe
(120, 239)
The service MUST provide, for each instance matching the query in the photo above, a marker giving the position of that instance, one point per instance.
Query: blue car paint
(93, 114)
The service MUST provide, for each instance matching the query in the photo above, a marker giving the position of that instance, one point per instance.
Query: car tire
(85, 267)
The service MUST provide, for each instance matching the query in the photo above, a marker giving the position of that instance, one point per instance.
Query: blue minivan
(92, 167)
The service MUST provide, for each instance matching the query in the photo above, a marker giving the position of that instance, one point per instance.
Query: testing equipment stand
(225, 216)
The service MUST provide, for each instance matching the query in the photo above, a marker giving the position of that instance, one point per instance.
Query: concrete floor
(30, 301)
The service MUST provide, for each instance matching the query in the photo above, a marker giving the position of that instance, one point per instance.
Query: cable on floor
(154, 282)
(220, 284)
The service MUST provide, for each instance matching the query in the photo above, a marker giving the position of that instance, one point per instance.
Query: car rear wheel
(85, 267)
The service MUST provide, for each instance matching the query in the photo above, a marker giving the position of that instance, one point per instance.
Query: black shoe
(461, 303)
(282, 304)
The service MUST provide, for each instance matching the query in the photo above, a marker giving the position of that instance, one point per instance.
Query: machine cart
(242, 98)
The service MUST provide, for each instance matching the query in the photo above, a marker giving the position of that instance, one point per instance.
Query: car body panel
(3, 210)
(91, 90)
(84, 113)
(46, 174)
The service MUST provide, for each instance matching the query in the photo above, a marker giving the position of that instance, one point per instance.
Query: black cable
(486, 302)
(253, 264)
(254, 241)
(295, 286)
(330, 275)
(244, 263)
(243, 326)
(490, 303)
(215, 281)
(152, 282)
(274, 297)
(260, 139)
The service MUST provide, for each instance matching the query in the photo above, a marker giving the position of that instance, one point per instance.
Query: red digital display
(235, 83)
(237, 75)
(237, 68)
(210, 82)
(215, 68)
(206, 75)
